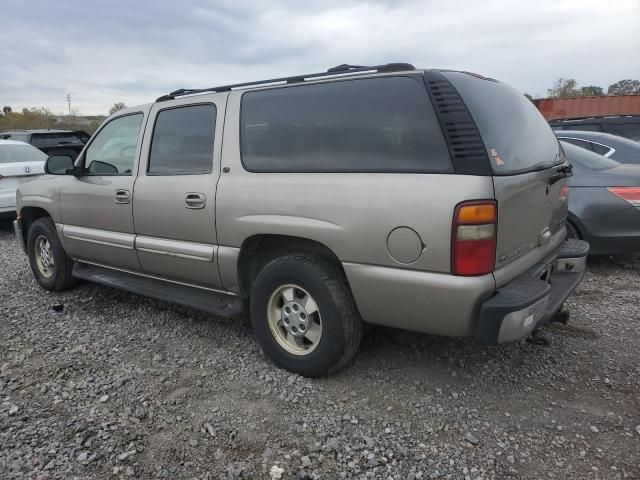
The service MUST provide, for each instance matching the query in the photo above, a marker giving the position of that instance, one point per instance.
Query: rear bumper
(17, 228)
(530, 300)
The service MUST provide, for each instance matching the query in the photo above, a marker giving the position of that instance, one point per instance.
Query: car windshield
(20, 153)
(587, 159)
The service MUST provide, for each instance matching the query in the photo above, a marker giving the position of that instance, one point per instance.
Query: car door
(96, 204)
(174, 196)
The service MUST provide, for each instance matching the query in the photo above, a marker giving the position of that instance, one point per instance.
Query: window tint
(114, 147)
(600, 149)
(586, 158)
(517, 137)
(629, 130)
(368, 125)
(182, 140)
(584, 127)
(579, 143)
(21, 153)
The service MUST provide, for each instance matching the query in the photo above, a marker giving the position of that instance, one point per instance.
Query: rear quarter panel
(350, 213)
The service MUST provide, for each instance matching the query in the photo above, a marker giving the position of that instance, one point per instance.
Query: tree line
(568, 87)
(31, 118)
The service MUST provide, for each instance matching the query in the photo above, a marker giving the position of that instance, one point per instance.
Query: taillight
(473, 238)
(564, 192)
(630, 194)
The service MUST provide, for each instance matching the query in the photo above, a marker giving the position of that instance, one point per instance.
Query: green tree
(6, 110)
(624, 87)
(116, 107)
(591, 90)
(564, 87)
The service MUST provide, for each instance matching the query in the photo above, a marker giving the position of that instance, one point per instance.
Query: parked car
(51, 142)
(19, 162)
(622, 125)
(618, 148)
(322, 201)
(604, 202)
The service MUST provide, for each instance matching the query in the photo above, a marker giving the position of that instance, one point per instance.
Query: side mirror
(58, 165)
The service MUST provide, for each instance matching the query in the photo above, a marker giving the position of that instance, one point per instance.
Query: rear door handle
(195, 200)
(122, 196)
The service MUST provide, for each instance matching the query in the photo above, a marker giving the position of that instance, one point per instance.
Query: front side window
(182, 141)
(113, 150)
(368, 125)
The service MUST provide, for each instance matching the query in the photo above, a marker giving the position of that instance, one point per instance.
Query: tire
(572, 231)
(55, 276)
(340, 327)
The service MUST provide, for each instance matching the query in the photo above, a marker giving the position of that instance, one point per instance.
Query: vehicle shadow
(6, 224)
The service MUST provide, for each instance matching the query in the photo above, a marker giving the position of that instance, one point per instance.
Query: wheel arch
(575, 222)
(260, 249)
(28, 215)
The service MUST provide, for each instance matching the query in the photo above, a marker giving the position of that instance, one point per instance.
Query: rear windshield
(20, 153)
(517, 137)
(587, 159)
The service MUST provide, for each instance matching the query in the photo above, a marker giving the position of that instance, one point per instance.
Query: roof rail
(334, 71)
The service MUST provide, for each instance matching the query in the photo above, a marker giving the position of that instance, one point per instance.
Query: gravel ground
(115, 385)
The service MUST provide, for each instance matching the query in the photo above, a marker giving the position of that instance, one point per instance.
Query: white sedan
(19, 163)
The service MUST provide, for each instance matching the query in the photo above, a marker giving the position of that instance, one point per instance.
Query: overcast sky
(133, 51)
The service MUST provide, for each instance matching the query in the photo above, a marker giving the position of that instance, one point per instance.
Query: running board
(218, 303)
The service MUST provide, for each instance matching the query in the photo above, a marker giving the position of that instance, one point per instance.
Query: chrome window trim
(608, 154)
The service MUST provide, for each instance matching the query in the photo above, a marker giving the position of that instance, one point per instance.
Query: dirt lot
(119, 386)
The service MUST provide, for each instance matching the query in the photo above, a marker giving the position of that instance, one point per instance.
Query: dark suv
(51, 142)
(622, 125)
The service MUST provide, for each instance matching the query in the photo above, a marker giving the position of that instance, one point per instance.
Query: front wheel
(304, 315)
(49, 262)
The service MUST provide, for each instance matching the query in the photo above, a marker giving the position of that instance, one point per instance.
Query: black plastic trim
(468, 152)
(218, 303)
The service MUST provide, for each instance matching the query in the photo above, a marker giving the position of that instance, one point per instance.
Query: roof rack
(334, 71)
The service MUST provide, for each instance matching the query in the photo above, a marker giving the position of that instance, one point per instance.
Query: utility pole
(69, 102)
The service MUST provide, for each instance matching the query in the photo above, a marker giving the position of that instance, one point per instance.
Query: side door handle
(122, 196)
(195, 200)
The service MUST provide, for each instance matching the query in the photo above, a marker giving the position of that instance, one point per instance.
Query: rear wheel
(304, 315)
(49, 262)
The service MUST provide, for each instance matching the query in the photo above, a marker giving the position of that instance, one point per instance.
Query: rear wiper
(565, 171)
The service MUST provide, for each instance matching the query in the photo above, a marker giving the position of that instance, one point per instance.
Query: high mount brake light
(473, 238)
(630, 194)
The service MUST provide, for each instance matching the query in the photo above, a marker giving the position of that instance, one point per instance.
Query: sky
(132, 51)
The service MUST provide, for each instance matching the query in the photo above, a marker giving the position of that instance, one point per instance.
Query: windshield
(20, 153)
(587, 159)
(517, 137)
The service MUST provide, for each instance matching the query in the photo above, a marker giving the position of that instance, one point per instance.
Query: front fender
(44, 193)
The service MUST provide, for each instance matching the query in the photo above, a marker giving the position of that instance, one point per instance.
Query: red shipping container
(580, 107)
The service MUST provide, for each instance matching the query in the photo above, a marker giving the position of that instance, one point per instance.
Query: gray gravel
(113, 385)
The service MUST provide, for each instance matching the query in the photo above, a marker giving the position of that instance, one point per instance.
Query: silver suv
(427, 200)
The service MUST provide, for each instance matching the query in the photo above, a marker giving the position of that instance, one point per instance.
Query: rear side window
(587, 159)
(517, 137)
(368, 125)
(579, 143)
(20, 153)
(600, 149)
(182, 141)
